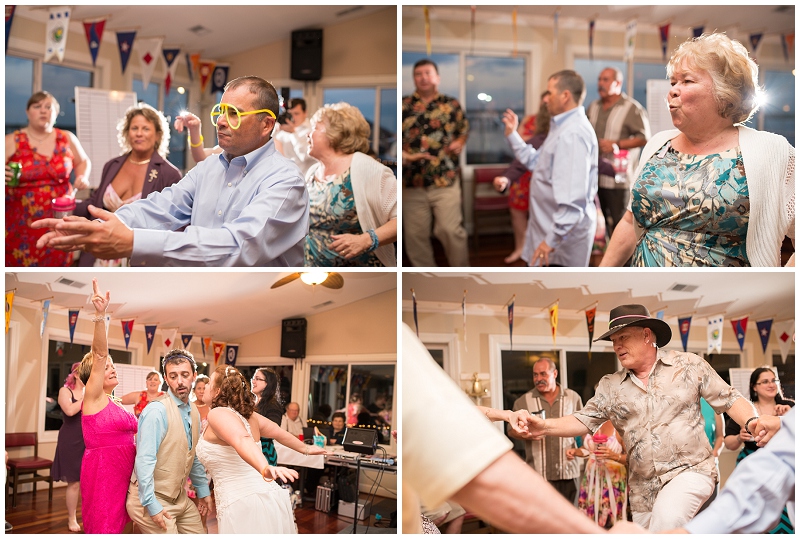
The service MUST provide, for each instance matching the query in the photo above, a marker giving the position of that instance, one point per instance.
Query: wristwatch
(747, 425)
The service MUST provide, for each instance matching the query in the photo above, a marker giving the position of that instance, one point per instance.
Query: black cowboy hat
(636, 315)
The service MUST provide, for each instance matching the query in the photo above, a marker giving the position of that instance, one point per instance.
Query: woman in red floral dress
(48, 156)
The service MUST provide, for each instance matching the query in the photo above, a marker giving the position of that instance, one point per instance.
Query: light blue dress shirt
(756, 491)
(251, 211)
(563, 188)
(152, 429)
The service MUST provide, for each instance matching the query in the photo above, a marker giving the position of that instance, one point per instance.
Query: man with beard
(169, 429)
(247, 206)
(547, 455)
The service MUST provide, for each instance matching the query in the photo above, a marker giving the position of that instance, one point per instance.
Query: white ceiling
(756, 294)
(740, 19)
(242, 303)
(233, 28)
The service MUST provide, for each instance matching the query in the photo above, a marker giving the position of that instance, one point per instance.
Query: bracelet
(375, 241)
(189, 138)
(747, 424)
(264, 474)
(101, 318)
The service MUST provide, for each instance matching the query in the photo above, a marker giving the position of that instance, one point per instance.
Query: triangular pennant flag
(554, 320)
(169, 338)
(414, 302)
(591, 39)
(784, 332)
(590, 314)
(789, 38)
(127, 329)
(125, 45)
(149, 50)
(170, 57)
(663, 32)
(660, 314)
(755, 40)
(9, 304)
(697, 31)
(740, 329)
(186, 338)
(45, 311)
(206, 344)
(218, 349)
(715, 334)
(73, 321)
(231, 354)
(9, 20)
(764, 329)
(219, 79)
(189, 67)
(683, 325)
(511, 322)
(206, 69)
(630, 40)
(150, 334)
(194, 62)
(94, 37)
(56, 33)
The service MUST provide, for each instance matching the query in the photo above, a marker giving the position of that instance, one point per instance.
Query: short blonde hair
(85, 367)
(347, 130)
(151, 115)
(733, 73)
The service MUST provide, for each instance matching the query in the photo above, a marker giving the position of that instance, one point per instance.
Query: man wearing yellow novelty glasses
(247, 206)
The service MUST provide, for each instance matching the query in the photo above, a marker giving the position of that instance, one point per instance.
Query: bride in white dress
(247, 498)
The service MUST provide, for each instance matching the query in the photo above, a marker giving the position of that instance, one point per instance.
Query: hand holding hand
(765, 428)
(500, 183)
(350, 245)
(518, 421)
(204, 505)
(511, 121)
(106, 238)
(746, 436)
(100, 303)
(536, 427)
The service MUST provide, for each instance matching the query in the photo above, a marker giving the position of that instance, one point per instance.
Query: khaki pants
(677, 502)
(185, 516)
(440, 206)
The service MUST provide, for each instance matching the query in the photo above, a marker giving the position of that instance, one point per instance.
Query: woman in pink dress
(109, 432)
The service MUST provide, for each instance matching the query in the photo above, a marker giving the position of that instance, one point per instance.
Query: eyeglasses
(767, 382)
(226, 108)
(256, 379)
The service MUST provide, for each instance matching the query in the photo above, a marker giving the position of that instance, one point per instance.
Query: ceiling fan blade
(334, 280)
(286, 280)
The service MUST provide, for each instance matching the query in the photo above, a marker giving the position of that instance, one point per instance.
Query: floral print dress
(604, 486)
(694, 210)
(43, 178)
(332, 211)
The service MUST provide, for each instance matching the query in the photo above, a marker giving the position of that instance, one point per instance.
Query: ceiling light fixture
(314, 277)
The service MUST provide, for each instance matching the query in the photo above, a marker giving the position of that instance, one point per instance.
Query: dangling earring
(655, 345)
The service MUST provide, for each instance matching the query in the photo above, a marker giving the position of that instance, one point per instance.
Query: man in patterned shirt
(435, 131)
(654, 403)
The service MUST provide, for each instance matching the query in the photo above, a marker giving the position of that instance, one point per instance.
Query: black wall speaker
(293, 338)
(307, 54)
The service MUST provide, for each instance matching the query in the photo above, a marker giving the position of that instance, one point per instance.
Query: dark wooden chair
(486, 202)
(23, 466)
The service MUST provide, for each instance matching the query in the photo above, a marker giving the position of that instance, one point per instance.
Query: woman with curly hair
(247, 498)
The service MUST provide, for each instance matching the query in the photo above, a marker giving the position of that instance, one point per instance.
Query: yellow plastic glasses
(226, 108)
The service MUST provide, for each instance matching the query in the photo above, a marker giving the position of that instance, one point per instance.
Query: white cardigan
(375, 193)
(769, 169)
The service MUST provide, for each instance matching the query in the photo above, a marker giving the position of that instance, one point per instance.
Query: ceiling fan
(327, 279)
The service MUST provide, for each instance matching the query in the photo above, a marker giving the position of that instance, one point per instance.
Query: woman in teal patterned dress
(352, 197)
(711, 192)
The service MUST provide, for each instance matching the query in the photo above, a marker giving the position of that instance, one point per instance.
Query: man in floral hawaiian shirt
(435, 131)
(654, 403)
